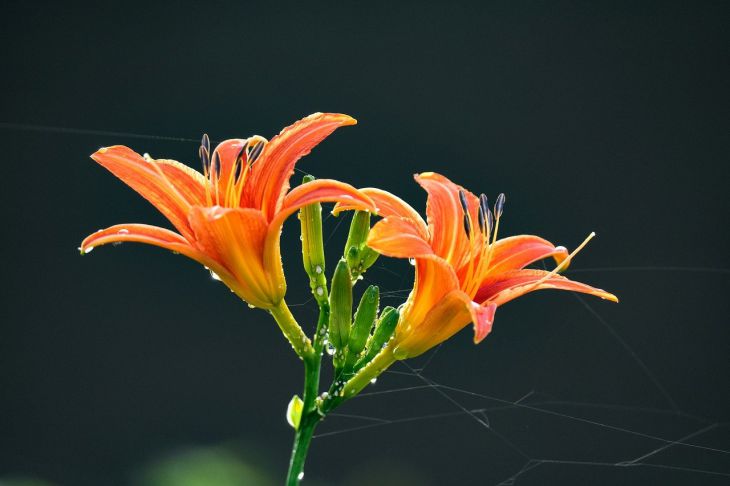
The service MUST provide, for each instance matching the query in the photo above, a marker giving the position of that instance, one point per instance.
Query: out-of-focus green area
(203, 467)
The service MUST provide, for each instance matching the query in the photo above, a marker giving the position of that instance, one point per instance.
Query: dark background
(589, 116)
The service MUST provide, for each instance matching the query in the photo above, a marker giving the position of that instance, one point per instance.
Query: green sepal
(364, 321)
(340, 311)
(294, 411)
(310, 217)
(384, 329)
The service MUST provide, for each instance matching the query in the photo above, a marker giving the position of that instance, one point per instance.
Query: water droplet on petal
(320, 291)
(300, 475)
(214, 276)
(88, 250)
(123, 231)
(251, 306)
(412, 261)
(318, 269)
(373, 381)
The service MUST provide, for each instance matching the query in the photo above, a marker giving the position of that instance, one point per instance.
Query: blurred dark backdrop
(610, 117)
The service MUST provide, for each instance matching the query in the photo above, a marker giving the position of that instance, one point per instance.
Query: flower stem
(302, 439)
(311, 415)
(372, 370)
(289, 326)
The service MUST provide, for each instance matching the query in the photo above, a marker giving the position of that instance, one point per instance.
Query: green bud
(310, 218)
(365, 316)
(340, 311)
(383, 331)
(357, 253)
(294, 411)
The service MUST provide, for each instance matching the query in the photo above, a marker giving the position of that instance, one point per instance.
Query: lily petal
(389, 205)
(151, 235)
(398, 237)
(445, 216)
(483, 317)
(224, 157)
(169, 188)
(513, 284)
(320, 190)
(271, 172)
(325, 190)
(236, 237)
(434, 279)
(516, 252)
(445, 318)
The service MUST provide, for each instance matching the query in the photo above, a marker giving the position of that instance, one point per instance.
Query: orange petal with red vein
(271, 172)
(225, 155)
(236, 237)
(320, 190)
(516, 252)
(444, 318)
(151, 235)
(158, 184)
(511, 285)
(434, 279)
(325, 190)
(483, 317)
(398, 237)
(445, 216)
(389, 205)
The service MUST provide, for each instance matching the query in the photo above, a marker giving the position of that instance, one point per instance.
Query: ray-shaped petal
(151, 235)
(398, 237)
(513, 284)
(161, 184)
(445, 216)
(320, 190)
(271, 172)
(389, 205)
(516, 252)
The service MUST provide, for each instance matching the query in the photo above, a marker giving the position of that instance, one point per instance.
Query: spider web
(696, 446)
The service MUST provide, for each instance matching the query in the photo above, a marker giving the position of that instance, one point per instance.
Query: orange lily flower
(229, 218)
(463, 272)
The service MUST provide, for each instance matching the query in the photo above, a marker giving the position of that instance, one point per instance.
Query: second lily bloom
(463, 272)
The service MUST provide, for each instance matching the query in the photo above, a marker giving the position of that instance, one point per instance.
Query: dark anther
(255, 152)
(238, 164)
(205, 142)
(204, 157)
(490, 221)
(483, 210)
(465, 207)
(215, 165)
(499, 206)
(467, 224)
(462, 200)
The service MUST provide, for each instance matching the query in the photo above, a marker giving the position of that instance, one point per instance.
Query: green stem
(372, 370)
(289, 326)
(302, 439)
(311, 415)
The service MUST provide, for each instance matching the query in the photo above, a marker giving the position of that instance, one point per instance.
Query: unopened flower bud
(310, 217)
(359, 256)
(384, 329)
(365, 316)
(340, 311)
